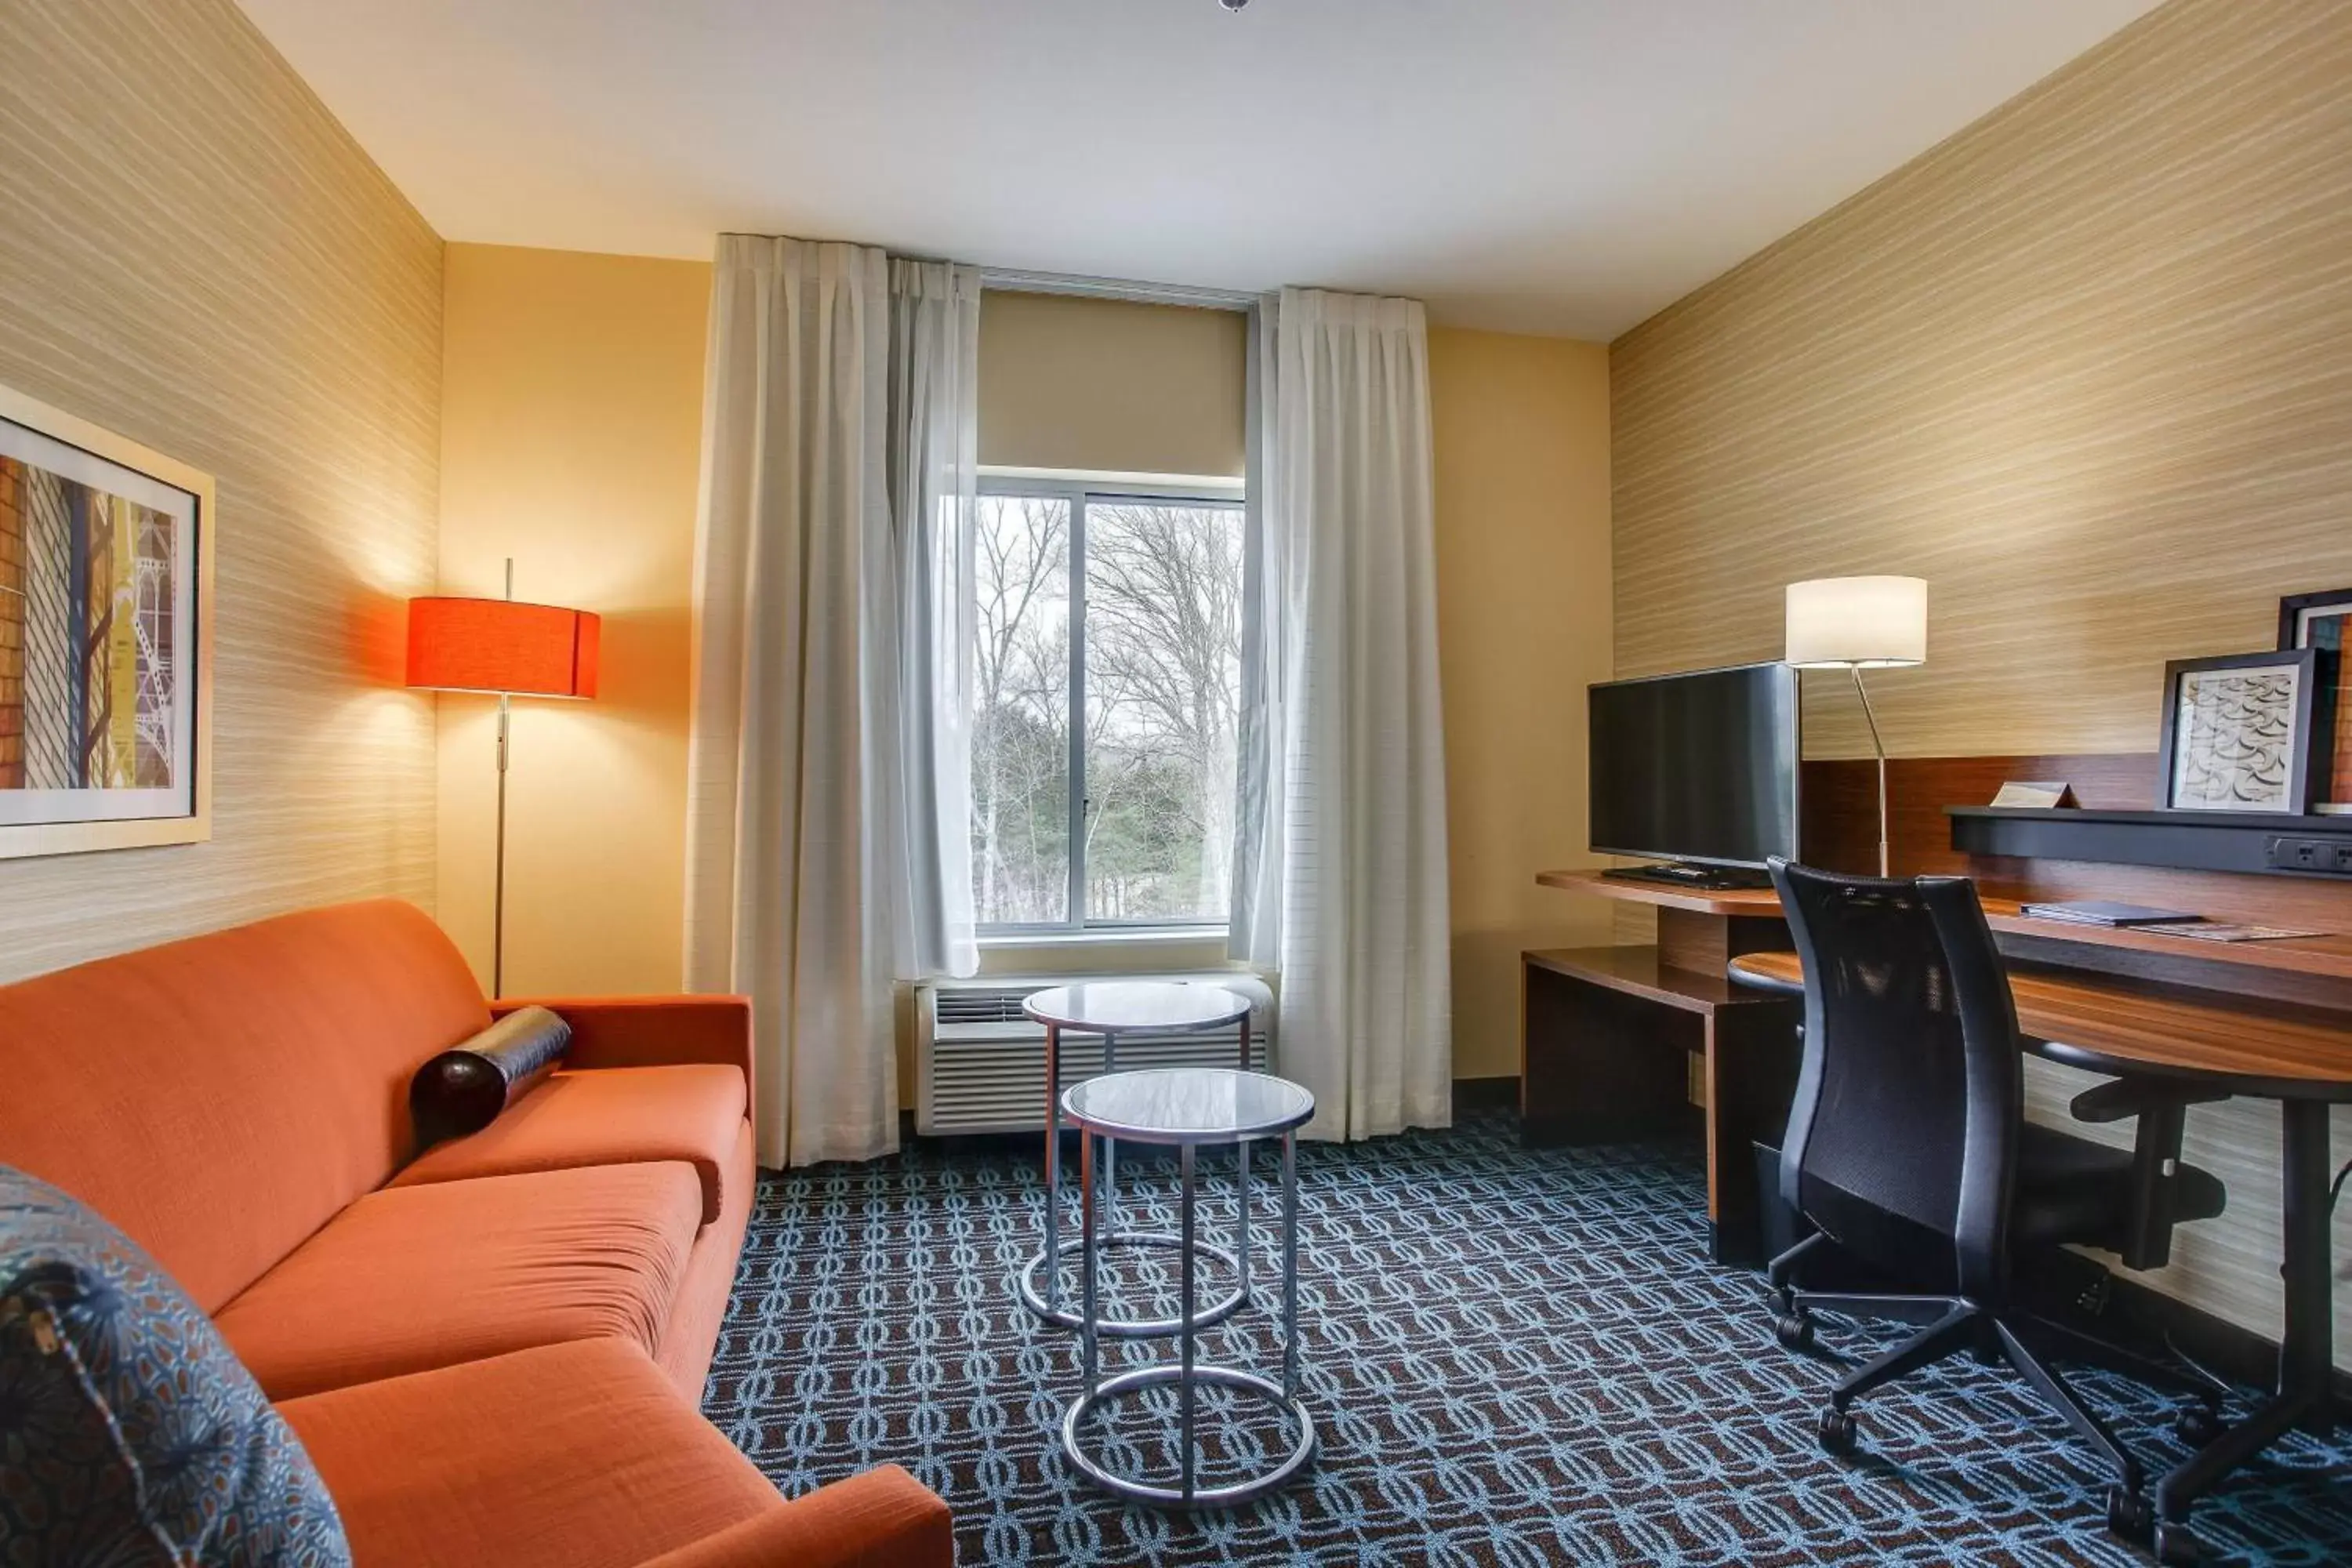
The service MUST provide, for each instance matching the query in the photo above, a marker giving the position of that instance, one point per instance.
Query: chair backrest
(1904, 1125)
(220, 1098)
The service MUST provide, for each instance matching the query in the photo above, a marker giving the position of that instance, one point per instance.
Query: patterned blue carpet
(1514, 1357)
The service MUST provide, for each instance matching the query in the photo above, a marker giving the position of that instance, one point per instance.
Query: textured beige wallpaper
(194, 254)
(2087, 368)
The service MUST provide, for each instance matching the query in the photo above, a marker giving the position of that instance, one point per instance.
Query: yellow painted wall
(196, 256)
(1522, 625)
(571, 406)
(1110, 385)
(570, 440)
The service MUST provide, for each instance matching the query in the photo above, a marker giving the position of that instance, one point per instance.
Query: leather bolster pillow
(463, 1090)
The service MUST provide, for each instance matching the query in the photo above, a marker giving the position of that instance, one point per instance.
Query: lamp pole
(1850, 624)
(498, 882)
(497, 647)
(1885, 866)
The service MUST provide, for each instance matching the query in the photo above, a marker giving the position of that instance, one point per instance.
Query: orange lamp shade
(496, 644)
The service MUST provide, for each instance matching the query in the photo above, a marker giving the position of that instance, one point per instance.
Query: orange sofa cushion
(691, 1340)
(414, 1277)
(571, 1455)
(220, 1098)
(609, 1117)
(883, 1517)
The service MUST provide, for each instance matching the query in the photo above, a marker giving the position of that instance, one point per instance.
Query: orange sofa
(492, 1350)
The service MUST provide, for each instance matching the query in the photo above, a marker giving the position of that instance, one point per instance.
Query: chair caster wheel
(1837, 1431)
(2197, 1426)
(2129, 1514)
(2177, 1545)
(1794, 1330)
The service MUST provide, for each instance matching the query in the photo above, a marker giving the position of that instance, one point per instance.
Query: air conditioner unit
(980, 1062)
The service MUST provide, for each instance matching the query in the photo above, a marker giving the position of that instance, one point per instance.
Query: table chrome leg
(1110, 1145)
(1186, 1393)
(1087, 1250)
(1290, 1264)
(1053, 1167)
(1242, 1185)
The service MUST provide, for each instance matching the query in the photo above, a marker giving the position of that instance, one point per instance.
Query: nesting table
(1110, 1008)
(1188, 1107)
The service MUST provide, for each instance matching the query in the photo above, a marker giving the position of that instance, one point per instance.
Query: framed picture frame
(2239, 732)
(2324, 621)
(106, 655)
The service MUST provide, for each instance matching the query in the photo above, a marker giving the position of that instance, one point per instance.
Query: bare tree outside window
(1160, 687)
(1020, 722)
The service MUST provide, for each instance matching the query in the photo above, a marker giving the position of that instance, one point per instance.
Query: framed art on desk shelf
(2320, 621)
(105, 638)
(2240, 732)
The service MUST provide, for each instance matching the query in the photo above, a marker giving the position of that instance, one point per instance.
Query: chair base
(2028, 1344)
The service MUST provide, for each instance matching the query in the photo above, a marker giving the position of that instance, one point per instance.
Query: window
(1107, 691)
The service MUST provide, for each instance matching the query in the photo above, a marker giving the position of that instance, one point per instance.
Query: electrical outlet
(2327, 856)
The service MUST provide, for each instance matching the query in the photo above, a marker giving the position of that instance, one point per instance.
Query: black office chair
(1908, 1150)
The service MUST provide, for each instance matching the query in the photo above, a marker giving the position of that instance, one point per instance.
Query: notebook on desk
(2104, 912)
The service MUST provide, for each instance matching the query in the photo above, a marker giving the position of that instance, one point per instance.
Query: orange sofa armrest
(651, 1031)
(882, 1519)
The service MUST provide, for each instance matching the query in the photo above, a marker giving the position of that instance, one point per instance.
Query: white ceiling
(1564, 166)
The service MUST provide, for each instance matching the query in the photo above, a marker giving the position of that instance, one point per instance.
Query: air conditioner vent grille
(981, 1060)
(981, 1006)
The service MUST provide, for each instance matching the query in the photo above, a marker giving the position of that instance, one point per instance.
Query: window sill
(1141, 936)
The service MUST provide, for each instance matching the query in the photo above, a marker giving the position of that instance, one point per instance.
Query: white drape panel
(934, 440)
(814, 825)
(1340, 873)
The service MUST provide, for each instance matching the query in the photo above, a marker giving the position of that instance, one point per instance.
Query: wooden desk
(2328, 957)
(1598, 1042)
(2117, 1025)
(1607, 1034)
(1606, 1038)
(2301, 1059)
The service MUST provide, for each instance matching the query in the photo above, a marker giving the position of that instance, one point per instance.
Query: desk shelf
(1641, 972)
(1608, 1037)
(2176, 840)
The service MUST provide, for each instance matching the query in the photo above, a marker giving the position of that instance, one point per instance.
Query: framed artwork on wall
(106, 609)
(2239, 732)
(2321, 621)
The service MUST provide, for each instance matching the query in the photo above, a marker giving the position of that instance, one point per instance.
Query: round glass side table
(1110, 1008)
(1188, 1107)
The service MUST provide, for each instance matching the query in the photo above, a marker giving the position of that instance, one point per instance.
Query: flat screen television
(1699, 769)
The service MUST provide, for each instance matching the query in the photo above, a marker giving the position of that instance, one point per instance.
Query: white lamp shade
(1848, 623)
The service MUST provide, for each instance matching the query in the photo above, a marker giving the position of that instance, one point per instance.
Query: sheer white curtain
(1340, 867)
(825, 860)
(934, 446)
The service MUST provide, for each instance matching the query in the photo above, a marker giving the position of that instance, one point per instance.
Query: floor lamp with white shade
(1855, 624)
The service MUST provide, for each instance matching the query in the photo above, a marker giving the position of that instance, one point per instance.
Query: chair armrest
(652, 1031)
(2120, 1099)
(882, 1519)
(2162, 1109)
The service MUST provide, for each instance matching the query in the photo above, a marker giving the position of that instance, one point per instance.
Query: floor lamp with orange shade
(505, 649)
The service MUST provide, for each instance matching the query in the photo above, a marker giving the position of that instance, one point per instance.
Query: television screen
(1699, 767)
